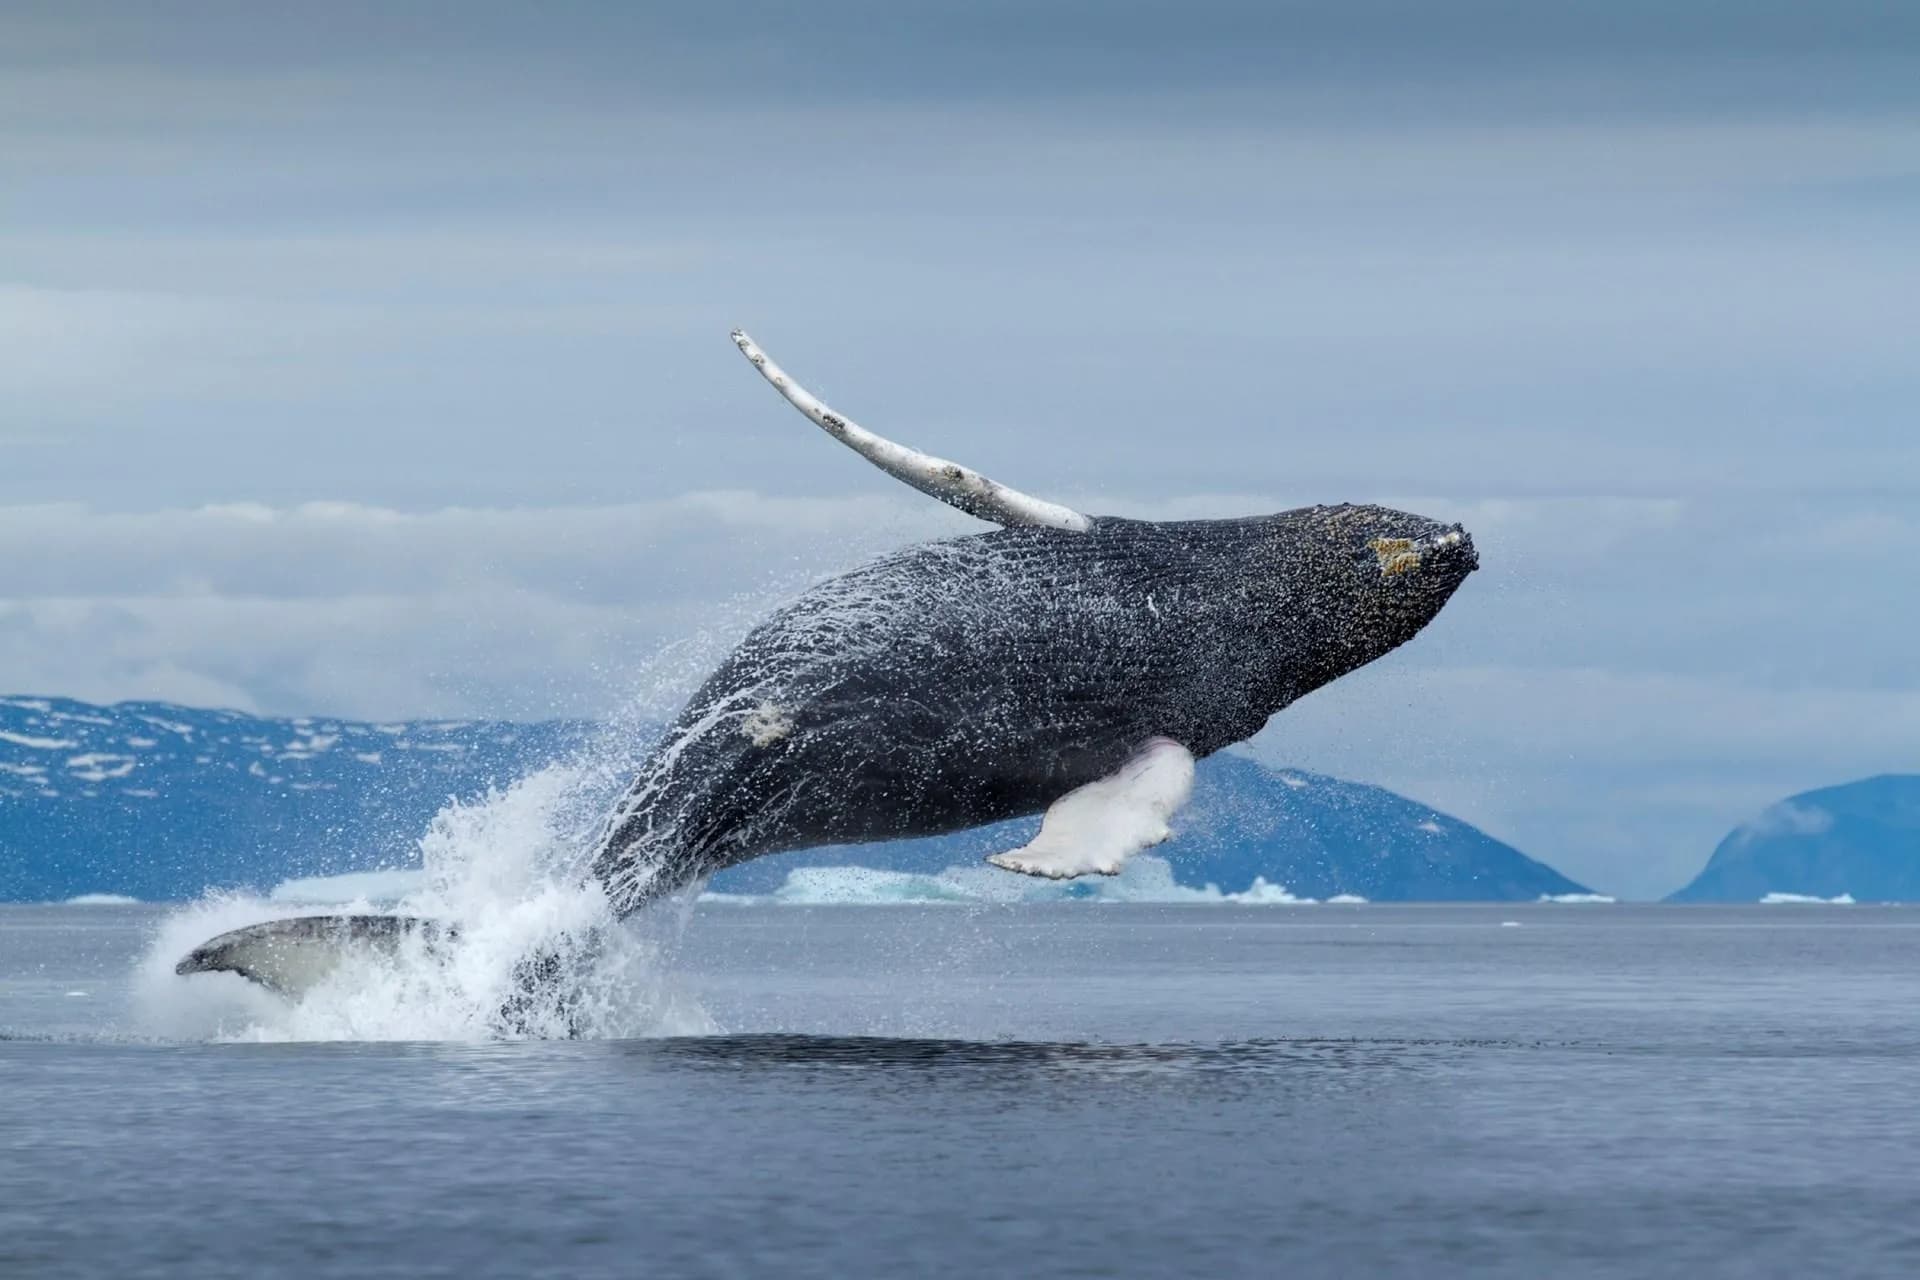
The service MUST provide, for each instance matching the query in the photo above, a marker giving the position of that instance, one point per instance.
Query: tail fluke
(292, 956)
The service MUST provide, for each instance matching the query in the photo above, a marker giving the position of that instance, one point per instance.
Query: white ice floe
(1577, 898)
(1806, 899)
(102, 900)
(1146, 879)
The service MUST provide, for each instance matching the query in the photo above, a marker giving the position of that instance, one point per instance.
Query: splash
(509, 873)
(503, 871)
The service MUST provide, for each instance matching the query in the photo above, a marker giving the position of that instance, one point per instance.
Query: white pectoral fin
(1094, 829)
(293, 956)
(958, 486)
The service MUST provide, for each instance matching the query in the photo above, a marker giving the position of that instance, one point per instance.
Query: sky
(372, 359)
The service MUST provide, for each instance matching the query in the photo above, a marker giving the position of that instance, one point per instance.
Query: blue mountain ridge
(1860, 839)
(161, 802)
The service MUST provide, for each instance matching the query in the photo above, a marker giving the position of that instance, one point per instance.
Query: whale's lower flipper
(1097, 827)
(292, 956)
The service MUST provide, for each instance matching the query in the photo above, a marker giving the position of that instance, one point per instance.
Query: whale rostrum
(958, 486)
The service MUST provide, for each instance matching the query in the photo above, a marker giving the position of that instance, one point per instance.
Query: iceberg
(1147, 879)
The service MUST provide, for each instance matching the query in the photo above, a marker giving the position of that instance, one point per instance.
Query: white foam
(1572, 899)
(102, 900)
(501, 871)
(1146, 879)
(1806, 899)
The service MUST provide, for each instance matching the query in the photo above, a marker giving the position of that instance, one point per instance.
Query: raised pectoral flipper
(1094, 829)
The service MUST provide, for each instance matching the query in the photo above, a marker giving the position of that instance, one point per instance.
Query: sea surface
(1076, 1089)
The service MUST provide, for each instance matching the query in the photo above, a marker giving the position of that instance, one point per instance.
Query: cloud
(362, 610)
(278, 256)
(1787, 819)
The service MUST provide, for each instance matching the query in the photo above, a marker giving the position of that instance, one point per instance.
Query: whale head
(1337, 587)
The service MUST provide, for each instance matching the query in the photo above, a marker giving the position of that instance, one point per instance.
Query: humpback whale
(1064, 664)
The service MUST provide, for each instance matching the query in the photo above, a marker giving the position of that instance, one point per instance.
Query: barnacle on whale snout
(1396, 555)
(1400, 555)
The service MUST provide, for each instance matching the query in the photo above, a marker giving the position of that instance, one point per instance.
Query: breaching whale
(1064, 664)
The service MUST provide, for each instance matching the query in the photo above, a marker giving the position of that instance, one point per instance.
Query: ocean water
(1058, 1089)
